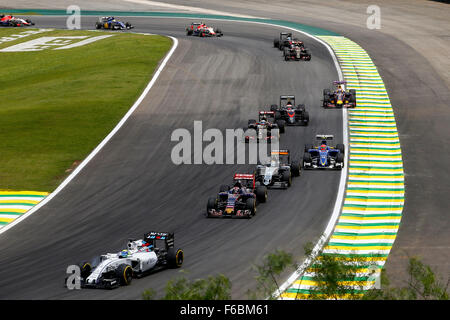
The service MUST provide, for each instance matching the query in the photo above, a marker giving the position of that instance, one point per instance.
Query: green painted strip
(21, 196)
(11, 213)
(17, 204)
(352, 234)
(359, 215)
(384, 224)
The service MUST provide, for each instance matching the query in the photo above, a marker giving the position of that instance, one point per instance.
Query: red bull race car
(239, 201)
(11, 21)
(340, 97)
(202, 30)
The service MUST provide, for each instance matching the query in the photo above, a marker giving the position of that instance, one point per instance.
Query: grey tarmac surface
(411, 52)
(132, 187)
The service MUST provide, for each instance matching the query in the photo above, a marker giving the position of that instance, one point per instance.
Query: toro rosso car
(239, 201)
(11, 21)
(279, 172)
(202, 30)
(264, 130)
(339, 98)
(112, 24)
(324, 156)
(296, 51)
(154, 252)
(291, 114)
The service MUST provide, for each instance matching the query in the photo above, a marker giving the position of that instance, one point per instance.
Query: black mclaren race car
(289, 112)
(279, 172)
(112, 24)
(264, 129)
(238, 201)
(324, 156)
(339, 98)
(296, 51)
(285, 40)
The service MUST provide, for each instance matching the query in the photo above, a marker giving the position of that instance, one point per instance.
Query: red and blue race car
(202, 30)
(324, 156)
(11, 21)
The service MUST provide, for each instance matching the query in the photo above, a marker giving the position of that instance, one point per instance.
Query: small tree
(212, 288)
(267, 279)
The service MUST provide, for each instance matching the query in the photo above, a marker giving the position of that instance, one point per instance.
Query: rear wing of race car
(266, 113)
(167, 237)
(280, 152)
(288, 98)
(339, 82)
(324, 137)
(250, 178)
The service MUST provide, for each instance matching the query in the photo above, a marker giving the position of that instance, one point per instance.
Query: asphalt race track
(132, 186)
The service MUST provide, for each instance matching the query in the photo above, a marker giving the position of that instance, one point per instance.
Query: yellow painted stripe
(362, 237)
(14, 210)
(8, 220)
(367, 227)
(357, 248)
(19, 200)
(35, 193)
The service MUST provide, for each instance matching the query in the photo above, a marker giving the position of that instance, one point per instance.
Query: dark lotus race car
(239, 201)
(150, 254)
(112, 24)
(324, 156)
(291, 114)
(11, 21)
(279, 172)
(339, 98)
(262, 130)
(296, 51)
(202, 30)
(285, 40)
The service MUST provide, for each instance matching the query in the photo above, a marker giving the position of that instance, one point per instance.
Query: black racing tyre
(85, 269)
(295, 169)
(286, 55)
(341, 148)
(308, 146)
(277, 115)
(281, 125)
(261, 194)
(250, 204)
(340, 159)
(98, 25)
(305, 118)
(276, 43)
(352, 95)
(124, 273)
(251, 121)
(273, 107)
(224, 188)
(307, 158)
(175, 258)
(211, 205)
(287, 177)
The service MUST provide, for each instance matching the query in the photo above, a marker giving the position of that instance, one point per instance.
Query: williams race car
(264, 129)
(339, 98)
(202, 30)
(296, 51)
(112, 23)
(239, 201)
(150, 254)
(291, 114)
(279, 172)
(324, 156)
(11, 21)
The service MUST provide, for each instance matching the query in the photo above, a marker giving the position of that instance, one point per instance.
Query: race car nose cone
(339, 102)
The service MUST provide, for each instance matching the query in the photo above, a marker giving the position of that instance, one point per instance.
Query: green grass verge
(57, 105)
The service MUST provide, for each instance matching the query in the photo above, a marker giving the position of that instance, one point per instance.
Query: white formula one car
(154, 252)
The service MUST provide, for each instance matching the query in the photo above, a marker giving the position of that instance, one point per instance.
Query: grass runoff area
(57, 105)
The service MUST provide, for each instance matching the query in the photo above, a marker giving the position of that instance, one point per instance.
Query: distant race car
(263, 128)
(279, 172)
(324, 156)
(202, 30)
(238, 201)
(11, 21)
(296, 51)
(289, 112)
(154, 252)
(285, 40)
(339, 98)
(112, 24)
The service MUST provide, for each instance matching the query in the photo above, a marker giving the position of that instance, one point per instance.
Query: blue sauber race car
(112, 23)
(324, 156)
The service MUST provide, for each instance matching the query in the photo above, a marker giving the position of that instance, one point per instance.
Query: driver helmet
(237, 186)
(323, 147)
(289, 103)
(123, 254)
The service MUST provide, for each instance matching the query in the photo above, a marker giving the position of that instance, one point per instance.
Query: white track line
(99, 147)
